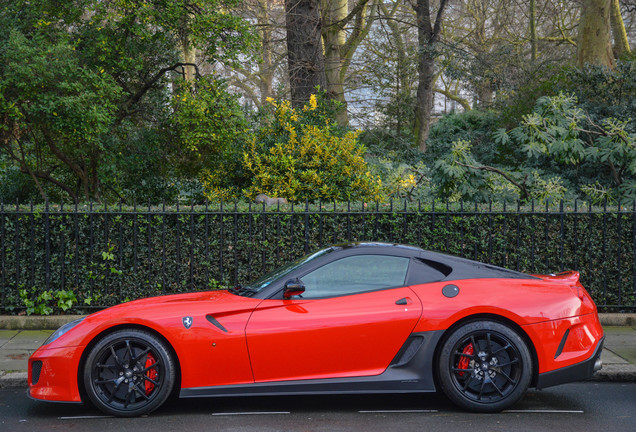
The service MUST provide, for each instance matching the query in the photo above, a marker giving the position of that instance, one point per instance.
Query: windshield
(264, 281)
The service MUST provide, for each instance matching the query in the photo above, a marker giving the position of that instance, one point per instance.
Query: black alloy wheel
(129, 373)
(484, 366)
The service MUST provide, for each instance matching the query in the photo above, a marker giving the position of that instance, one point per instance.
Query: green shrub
(302, 156)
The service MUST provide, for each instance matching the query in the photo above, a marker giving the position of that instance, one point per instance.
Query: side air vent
(409, 350)
(217, 324)
(562, 344)
(36, 369)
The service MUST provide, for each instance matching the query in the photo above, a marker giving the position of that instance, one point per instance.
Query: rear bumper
(576, 372)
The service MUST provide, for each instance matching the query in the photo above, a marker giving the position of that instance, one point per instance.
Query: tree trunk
(189, 56)
(533, 30)
(621, 43)
(333, 37)
(427, 36)
(266, 67)
(594, 44)
(306, 66)
(424, 99)
(187, 51)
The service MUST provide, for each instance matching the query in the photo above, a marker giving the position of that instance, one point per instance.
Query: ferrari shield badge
(187, 322)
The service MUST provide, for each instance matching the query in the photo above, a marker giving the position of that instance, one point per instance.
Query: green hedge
(58, 259)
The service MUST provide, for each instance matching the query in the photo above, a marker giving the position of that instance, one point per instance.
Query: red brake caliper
(465, 361)
(152, 373)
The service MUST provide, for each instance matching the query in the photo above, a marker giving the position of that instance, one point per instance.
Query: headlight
(59, 332)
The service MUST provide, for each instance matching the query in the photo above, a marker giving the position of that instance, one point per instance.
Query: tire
(129, 373)
(484, 366)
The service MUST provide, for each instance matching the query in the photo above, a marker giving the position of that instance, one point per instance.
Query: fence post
(32, 250)
(604, 251)
(532, 230)
(62, 241)
(306, 226)
(164, 281)
(178, 246)
(619, 276)
(504, 242)
(90, 244)
(562, 235)
(192, 285)
(2, 252)
(17, 243)
(634, 250)
(546, 234)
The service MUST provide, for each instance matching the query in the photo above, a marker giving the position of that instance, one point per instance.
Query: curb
(53, 322)
(616, 373)
(618, 319)
(13, 379)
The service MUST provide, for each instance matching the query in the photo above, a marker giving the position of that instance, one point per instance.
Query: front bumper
(53, 374)
(576, 372)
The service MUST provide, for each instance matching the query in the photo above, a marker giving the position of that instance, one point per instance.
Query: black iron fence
(56, 257)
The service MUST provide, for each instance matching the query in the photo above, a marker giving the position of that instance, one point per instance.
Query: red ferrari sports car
(353, 318)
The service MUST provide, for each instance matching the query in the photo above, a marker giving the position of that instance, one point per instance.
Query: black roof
(455, 268)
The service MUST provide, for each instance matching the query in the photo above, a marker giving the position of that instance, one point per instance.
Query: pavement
(21, 336)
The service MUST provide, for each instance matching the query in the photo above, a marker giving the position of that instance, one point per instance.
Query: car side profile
(352, 318)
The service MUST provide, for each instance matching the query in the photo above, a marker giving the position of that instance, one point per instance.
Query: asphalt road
(572, 407)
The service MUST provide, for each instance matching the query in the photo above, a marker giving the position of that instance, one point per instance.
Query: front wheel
(129, 373)
(484, 366)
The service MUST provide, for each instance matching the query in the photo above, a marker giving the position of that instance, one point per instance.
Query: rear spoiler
(569, 277)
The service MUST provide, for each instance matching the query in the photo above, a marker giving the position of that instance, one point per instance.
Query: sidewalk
(21, 336)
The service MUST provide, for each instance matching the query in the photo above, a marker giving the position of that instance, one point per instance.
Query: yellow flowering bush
(308, 157)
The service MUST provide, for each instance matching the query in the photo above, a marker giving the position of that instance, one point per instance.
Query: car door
(352, 319)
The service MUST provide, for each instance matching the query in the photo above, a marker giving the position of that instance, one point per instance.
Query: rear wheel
(129, 373)
(484, 366)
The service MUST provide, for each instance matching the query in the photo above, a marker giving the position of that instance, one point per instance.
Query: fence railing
(104, 255)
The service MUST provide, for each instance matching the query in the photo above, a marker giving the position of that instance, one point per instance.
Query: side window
(355, 274)
(426, 271)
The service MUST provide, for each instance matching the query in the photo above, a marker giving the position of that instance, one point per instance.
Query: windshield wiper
(242, 291)
(246, 290)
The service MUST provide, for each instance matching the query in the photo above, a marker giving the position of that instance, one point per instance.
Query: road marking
(83, 417)
(397, 411)
(251, 413)
(546, 411)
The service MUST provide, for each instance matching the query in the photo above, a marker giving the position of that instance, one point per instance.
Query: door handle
(404, 301)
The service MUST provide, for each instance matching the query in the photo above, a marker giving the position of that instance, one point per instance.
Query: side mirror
(293, 287)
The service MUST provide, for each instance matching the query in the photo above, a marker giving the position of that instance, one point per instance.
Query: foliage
(207, 121)
(604, 93)
(85, 89)
(461, 177)
(558, 133)
(212, 130)
(473, 126)
(302, 154)
(54, 108)
(14, 185)
(45, 302)
(560, 129)
(402, 179)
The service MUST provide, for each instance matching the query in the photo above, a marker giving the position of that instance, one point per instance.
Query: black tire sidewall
(161, 350)
(445, 375)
